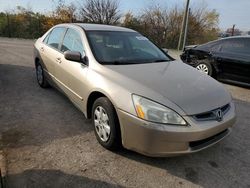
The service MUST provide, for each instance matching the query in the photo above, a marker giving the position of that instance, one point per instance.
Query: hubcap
(202, 68)
(39, 73)
(101, 121)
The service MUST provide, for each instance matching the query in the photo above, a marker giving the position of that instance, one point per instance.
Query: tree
(101, 11)
(203, 26)
(175, 22)
(22, 22)
(159, 24)
(163, 25)
(156, 24)
(132, 22)
(65, 13)
(233, 32)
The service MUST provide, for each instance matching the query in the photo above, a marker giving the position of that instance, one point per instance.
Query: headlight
(152, 111)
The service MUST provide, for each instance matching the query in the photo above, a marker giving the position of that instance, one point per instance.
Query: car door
(72, 75)
(234, 59)
(245, 55)
(50, 50)
(43, 49)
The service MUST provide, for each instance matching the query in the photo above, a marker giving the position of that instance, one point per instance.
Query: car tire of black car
(41, 79)
(111, 141)
(205, 66)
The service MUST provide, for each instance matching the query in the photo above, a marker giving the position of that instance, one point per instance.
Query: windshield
(116, 47)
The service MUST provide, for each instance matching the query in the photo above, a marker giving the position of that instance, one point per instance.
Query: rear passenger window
(72, 42)
(55, 37)
(46, 38)
(247, 46)
(236, 46)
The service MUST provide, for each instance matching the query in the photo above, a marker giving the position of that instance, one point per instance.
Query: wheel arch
(37, 60)
(95, 94)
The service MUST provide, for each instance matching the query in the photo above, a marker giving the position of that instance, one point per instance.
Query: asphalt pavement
(48, 142)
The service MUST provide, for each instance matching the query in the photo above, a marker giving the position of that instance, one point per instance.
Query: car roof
(221, 39)
(102, 27)
(236, 37)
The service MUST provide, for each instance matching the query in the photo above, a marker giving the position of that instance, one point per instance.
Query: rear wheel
(41, 80)
(205, 67)
(106, 124)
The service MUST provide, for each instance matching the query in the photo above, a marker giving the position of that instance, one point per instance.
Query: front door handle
(58, 60)
(42, 49)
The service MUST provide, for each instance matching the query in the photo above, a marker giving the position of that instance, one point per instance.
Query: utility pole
(186, 30)
(8, 25)
(233, 30)
(183, 24)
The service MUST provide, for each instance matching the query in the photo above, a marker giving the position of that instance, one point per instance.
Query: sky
(231, 11)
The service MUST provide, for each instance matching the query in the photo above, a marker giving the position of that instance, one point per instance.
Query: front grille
(225, 108)
(211, 115)
(208, 141)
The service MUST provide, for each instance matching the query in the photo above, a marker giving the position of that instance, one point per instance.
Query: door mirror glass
(74, 56)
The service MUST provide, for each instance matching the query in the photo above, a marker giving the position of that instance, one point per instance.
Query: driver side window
(72, 42)
(216, 47)
(235, 46)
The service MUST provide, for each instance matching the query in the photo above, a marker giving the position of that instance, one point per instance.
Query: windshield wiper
(116, 62)
(129, 62)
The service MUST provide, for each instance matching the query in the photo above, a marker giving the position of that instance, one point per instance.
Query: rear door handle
(58, 60)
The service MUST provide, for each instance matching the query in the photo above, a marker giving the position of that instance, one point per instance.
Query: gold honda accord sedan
(137, 95)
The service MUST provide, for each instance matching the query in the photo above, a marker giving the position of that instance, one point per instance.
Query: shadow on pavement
(52, 178)
(31, 115)
(34, 116)
(225, 164)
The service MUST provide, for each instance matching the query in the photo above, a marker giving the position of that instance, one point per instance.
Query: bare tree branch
(101, 11)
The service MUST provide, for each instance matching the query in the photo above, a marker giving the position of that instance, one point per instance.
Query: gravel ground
(49, 143)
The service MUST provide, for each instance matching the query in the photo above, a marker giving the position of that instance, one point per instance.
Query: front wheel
(106, 124)
(205, 67)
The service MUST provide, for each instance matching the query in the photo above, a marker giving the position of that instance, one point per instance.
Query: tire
(104, 116)
(205, 67)
(41, 79)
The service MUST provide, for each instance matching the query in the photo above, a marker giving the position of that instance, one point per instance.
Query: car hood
(193, 91)
(190, 47)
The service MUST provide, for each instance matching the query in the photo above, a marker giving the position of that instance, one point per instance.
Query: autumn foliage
(161, 25)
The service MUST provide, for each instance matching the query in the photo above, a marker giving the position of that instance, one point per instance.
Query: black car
(225, 59)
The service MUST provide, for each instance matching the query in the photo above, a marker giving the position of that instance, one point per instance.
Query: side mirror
(165, 50)
(75, 56)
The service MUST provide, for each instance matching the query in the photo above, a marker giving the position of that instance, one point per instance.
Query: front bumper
(158, 140)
